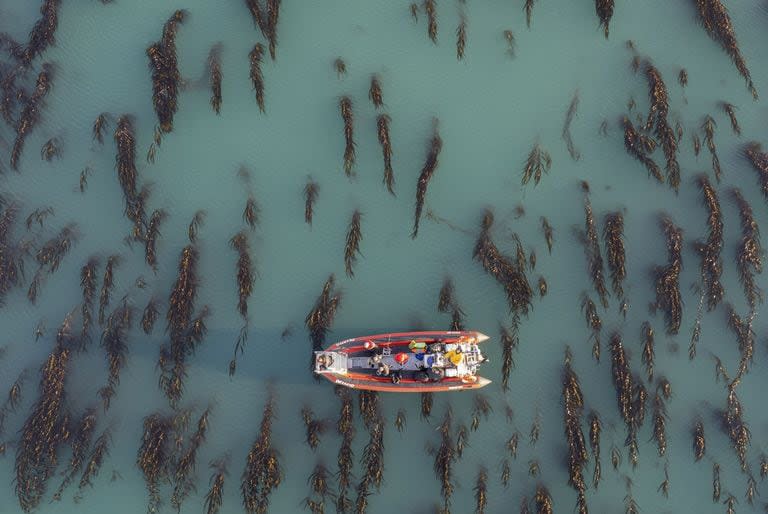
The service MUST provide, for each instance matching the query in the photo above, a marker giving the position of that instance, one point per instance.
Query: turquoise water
(492, 109)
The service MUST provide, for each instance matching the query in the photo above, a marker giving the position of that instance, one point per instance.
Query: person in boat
(417, 346)
(454, 356)
(383, 370)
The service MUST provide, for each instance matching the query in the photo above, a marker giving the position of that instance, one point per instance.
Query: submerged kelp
(215, 495)
(263, 473)
(99, 451)
(11, 253)
(427, 171)
(569, 116)
(113, 340)
(245, 277)
(107, 285)
(165, 72)
(215, 75)
(713, 15)
(510, 275)
(50, 255)
(30, 114)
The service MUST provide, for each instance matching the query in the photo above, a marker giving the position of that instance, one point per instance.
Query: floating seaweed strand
(749, 253)
(430, 165)
(746, 337)
(165, 72)
(714, 17)
(263, 473)
(43, 431)
(125, 160)
(266, 19)
(180, 326)
(639, 146)
(245, 279)
(657, 117)
(318, 481)
(430, 7)
(735, 427)
(668, 296)
(30, 114)
(320, 318)
(100, 125)
(80, 442)
(257, 79)
(481, 491)
(595, 428)
(709, 138)
(604, 10)
(345, 428)
(625, 388)
(444, 459)
(648, 349)
(113, 342)
(594, 323)
(94, 462)
(461, 37)
(615, 253)
(314, 427)
(592, 248)
(153, 455)
(659, 421)
(153, 232)
(382, 129)
(730, 110)
(372, 461)
(510, 275)
(352, 247)
(711, 289)
(573, 406)
(345, 107)
(184, 468)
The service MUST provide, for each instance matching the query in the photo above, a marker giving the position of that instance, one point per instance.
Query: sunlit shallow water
(491, 110)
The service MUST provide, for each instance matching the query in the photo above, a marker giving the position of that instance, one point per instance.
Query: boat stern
(331, 363)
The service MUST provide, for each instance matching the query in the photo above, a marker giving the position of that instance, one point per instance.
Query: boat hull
(398, 342)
